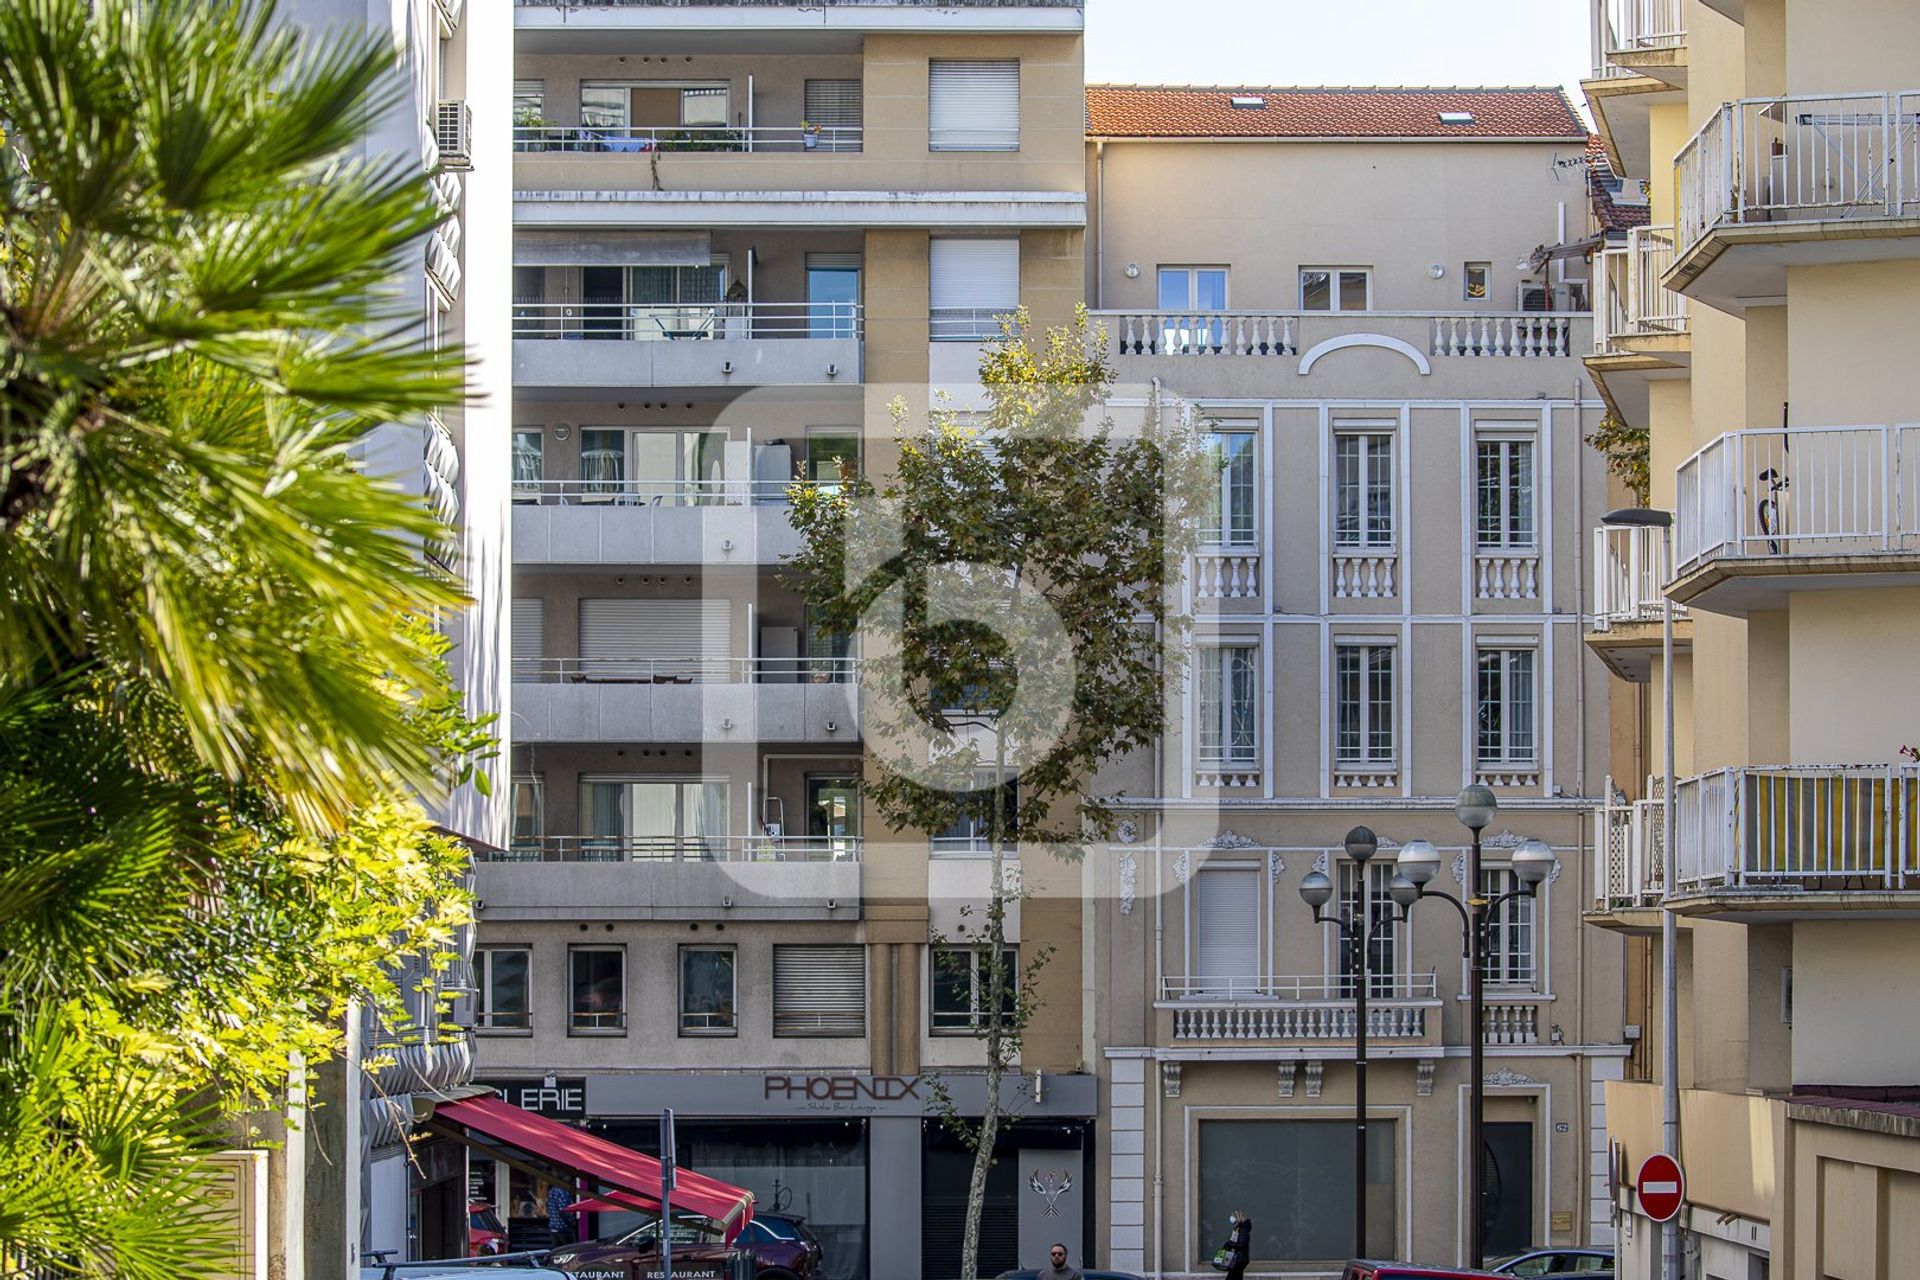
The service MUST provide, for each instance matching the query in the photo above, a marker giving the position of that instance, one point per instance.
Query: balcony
(1314, 1008)
(1628, 875)
(643, 522)
(699, 700)
(1629, 566)
(663, 878)
(1772, 183)
(562, 346)
(575, 139)
(1645, 37)
(1768, 843)
(1765, 512)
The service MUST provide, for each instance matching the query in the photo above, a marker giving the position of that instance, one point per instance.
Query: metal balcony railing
(1802, 158)
(609, 489)
(811, 4)
(685, 670)
(1629, 571)
(679, 849)
(1629, 299)
(616, 321)
(686, 139)
(1629, 871)
(1635, 26)
(1202, 334)
(1799, 492)
(1800, 828)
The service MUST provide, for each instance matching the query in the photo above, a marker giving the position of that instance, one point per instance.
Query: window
(1505, 695)
(1226, 931)
(529, 464)
(1295, 1179)
(706, 991)
(1476, 275)
(529, 814)
(1509, 933)
(971, 284)
(833, 295)
(657, 820)
(1183, 291)
(662, 468)
(833, 107)
(1383, 945)
(819, 990)
(832, 455)
(502, 979)
(1363, 489)
(1229, 518)
(961, 978)
(833, 812)
(973, 106)
(598, 979)
(1363, 704)
(652, 106)
(829, 652)
(972, 831)
(1503, 488)
(1335, 289)
(1229, 698)
(529, 103)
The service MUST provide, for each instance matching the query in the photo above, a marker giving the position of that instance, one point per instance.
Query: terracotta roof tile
(1610, 210)
(1207, 111)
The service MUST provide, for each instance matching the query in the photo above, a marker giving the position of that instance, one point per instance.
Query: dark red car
(486, 1234)
(782, 1249)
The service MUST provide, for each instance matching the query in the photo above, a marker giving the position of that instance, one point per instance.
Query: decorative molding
(1386, 842)
(1504, 840)
(1170, 1079)
(1507, 1077)
(1275, 866)
(1230, 840)
(1423, 1078)
(1182, 865)
(1129, 875)
(1287, 1071)
(1324, 861)
(1314, 1069)
(1555, 873)
(1459, 868)
(1127, 831)
(1346, 340)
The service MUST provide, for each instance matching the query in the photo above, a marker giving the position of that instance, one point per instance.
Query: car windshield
(685, 1231)
(485, 1219)
(781, 1228)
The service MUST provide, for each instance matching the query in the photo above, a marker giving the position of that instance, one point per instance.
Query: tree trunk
(995, 1015)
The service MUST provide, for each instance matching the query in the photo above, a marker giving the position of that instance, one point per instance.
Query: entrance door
(1507, 1167)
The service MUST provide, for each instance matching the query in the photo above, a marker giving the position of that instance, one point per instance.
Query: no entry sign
(1661, 1187)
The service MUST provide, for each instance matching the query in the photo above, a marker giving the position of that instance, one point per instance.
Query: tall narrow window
(502, 979)
(1503, 484)
(1229, 517)
(1226, 932)
(1363, 710)
(706, 991)
(1505, 716)
(1475, 277)
(1510, 933)
(973, 106)
(529, 464)
(1363, 489)
(598, 979)
(529, 816)
(1383, 938)
(1228, 702)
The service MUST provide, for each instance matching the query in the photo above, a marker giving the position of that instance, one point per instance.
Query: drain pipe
(1153, 1086)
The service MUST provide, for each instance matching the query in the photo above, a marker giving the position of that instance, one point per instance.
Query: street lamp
(1653, 518)
(1316, 890)
(1417, 864)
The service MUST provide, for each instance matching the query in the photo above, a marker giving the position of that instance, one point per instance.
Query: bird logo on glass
(1050, 1185)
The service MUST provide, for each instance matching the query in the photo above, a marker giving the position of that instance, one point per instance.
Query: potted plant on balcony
(809, 135)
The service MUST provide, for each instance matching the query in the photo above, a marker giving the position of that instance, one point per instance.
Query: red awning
(608, 1163)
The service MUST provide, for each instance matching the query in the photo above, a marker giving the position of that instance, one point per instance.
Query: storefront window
(1294, 1178)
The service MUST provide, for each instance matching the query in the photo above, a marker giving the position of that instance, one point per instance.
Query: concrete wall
(1844, 645)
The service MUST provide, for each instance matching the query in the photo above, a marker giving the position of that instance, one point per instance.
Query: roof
(1208, 111)
(1614, 208)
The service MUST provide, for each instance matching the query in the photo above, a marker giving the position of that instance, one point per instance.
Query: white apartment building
(1356, 288)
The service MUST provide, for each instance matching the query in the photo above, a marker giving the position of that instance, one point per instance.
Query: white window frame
(1513, 933)
(1192, 274)
(1383, 981)
(1224, 755)
(972, 1020)
(626, 102)
(600, 1022)
(950, 137)
(711, 1030)
(1509, 500)
(1507, 757)
(1466, 281)
(484, 1014)
(1375, 464)
(1372, 718)
(528, 489)
(1333, 274)
(1220, 533)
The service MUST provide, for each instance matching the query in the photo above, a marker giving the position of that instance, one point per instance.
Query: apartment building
(1358, 289)
(1763, 336)
(742, 230)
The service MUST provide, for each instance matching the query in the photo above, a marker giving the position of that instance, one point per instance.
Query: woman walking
(1238, 1250)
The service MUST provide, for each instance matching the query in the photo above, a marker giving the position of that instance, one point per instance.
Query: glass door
(833, 299)
(666, 820)
(833, 814)
(1183, 291)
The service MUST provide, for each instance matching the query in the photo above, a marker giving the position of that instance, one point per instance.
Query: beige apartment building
(1357, 290)
(1762, 327)
(741, 231)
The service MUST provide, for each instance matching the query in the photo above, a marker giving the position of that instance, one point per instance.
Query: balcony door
(1185, 291)
(1226, 931)
(833, 812)
(663, 819)
(833, 294)
(656, 468)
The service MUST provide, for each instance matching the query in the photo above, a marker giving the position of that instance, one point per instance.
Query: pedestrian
(560, 1222)
(1238, 1250)
(1057, 1268)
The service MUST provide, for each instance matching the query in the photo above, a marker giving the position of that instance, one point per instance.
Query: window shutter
(833, 262)
(690, 635)
(529, 629)
(973, 106)
(970, 283)
(819, 991)
(1226, 929)
(832, 104)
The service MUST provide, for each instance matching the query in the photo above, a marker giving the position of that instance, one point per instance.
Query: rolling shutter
(655, 637)
(529, 629)
(832, 104)
(973, 106)
(971, 282)
(819, 991)
(1226, 952)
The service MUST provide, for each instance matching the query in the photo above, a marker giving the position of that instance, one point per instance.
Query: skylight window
(1247, 101)
(1456, 117)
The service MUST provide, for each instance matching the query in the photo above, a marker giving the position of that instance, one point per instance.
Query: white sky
(1370, 42)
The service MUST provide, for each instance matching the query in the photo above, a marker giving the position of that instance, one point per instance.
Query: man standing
(560, 1222)
(1057, 1268)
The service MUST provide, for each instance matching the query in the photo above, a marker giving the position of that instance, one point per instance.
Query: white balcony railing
(1315, 1007)
(685, 670)
(1629, 871)
(1801, 159)
(1799, 492)
(656, 849)
(1226, 573)
(1636, 26)
(711, 322)
(677, 139)
(1610, 288)
(1629, 299)
(1629, 570)
(1207, 334)
(1799, 827)
(608, 489)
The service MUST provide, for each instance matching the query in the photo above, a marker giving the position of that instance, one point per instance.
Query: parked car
(1369, 1269)
(782, 1249)
(485, 1232)
(1559, 1261)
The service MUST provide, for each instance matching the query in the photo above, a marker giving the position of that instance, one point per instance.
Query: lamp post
(1316, 890)
(1652, 518)
(1417, 864)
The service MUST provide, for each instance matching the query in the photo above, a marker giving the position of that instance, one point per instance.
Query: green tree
(219, 697)
(1009, 585)
(1625, 448)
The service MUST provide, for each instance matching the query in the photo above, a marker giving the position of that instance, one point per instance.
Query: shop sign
(840, 1089)
(564, 1099)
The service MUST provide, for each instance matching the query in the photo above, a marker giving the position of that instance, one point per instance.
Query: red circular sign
(1661, 1187)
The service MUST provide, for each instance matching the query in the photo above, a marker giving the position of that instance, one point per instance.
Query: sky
(1369, 42)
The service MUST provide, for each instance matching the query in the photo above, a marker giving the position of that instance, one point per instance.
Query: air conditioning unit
(453, 133)
(1535, 297)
